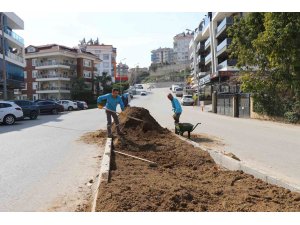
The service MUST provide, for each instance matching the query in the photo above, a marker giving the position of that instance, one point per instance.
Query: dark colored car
(50, 107)
(30, 109)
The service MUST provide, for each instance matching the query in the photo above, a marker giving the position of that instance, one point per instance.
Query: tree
(104, 81)
(267, 46)
(79, 90)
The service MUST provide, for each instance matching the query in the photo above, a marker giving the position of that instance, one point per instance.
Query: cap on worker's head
(170, 96)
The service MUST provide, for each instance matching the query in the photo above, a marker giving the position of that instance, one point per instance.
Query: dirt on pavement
(186, 178)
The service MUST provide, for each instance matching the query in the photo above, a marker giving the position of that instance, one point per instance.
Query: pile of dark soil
(186, 178)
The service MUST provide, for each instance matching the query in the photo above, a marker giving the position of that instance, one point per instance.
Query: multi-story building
(209, 53)
(50, 68)
(107, 54)
(11, 55)
(162, 56)
(122, 72)
(181, 47)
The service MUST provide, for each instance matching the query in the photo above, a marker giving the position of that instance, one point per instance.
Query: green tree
(79, 90)
(105, 82)
(267, 46)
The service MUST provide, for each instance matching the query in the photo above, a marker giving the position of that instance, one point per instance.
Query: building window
(34, 85)
(25, 88)
(87, 74)
(34, 73)
(25, 74)
(87, 63)
(34, 62)
(105, 64)
(31, 49)
(97, 51)
(105, 56)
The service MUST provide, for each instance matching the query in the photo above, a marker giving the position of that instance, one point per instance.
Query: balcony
(50, 77)
(200, 47)
(42, 90)
(225, 65)
(15, 57)
(200, 59)
(226, 22)
(206, 22)
(16, 37)
(54, 64)
(223, 46)
(208, 59)
(207, 43)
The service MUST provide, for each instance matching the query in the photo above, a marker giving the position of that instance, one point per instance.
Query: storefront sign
(204, 80)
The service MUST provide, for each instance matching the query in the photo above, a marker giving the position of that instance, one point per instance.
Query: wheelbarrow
(180, 128)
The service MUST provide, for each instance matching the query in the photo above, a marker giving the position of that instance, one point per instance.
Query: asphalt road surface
(42, 165)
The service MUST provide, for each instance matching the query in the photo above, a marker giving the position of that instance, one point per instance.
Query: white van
(174, 86)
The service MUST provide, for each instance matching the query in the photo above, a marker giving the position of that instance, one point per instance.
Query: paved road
(42, 165)
(268, 146)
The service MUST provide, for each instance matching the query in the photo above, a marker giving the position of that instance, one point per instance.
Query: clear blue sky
(134, 34)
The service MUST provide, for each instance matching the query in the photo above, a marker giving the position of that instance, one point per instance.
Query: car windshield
(188, 96)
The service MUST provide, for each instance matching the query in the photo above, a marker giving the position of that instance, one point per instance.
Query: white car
(179, 92)
(187, 100)
(143, 93)
(68, 104)
(10, 112)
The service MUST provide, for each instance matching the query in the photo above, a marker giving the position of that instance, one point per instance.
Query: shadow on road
(26, 123)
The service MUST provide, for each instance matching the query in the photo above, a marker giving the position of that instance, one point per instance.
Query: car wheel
(70, 108)
(54, 111)
(9, 120)
(33, 115)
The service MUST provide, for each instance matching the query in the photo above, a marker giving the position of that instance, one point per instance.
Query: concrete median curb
(232, 164)
(104, 170)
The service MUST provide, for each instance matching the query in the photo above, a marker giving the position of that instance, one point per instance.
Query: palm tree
(103, 81)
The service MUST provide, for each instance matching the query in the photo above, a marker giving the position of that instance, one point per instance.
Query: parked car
(173, 87)
(179, 92)
(10, 112)
(187, 100)
(68, 104)
(143, 93)
(82, 105)
(30, 109)
(50, 107)
(41, 100)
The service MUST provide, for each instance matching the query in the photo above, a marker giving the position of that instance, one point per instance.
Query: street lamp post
(120, 73)
(3, 60)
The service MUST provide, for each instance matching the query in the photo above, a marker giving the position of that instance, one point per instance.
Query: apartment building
(107, 54)
(211, 67)
(12, 59)
(50, 68)
(181, 47)
(162, 56)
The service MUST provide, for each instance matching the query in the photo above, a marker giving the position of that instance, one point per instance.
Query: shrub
(292, 117)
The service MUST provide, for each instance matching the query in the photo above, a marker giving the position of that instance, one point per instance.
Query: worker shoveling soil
(185, 179)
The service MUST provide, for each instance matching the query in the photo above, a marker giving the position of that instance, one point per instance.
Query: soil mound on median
(129, 124)
(186, 178)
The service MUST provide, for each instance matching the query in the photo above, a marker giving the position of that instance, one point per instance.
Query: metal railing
(15, 57)
(207, 42)
(208, 57)
(228, 62)
(225, 22)
(54, 63)
(14, 36)
(52, 76)
(52, 88)
(224, 44)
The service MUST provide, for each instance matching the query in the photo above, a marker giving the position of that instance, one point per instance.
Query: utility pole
(3, 60)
